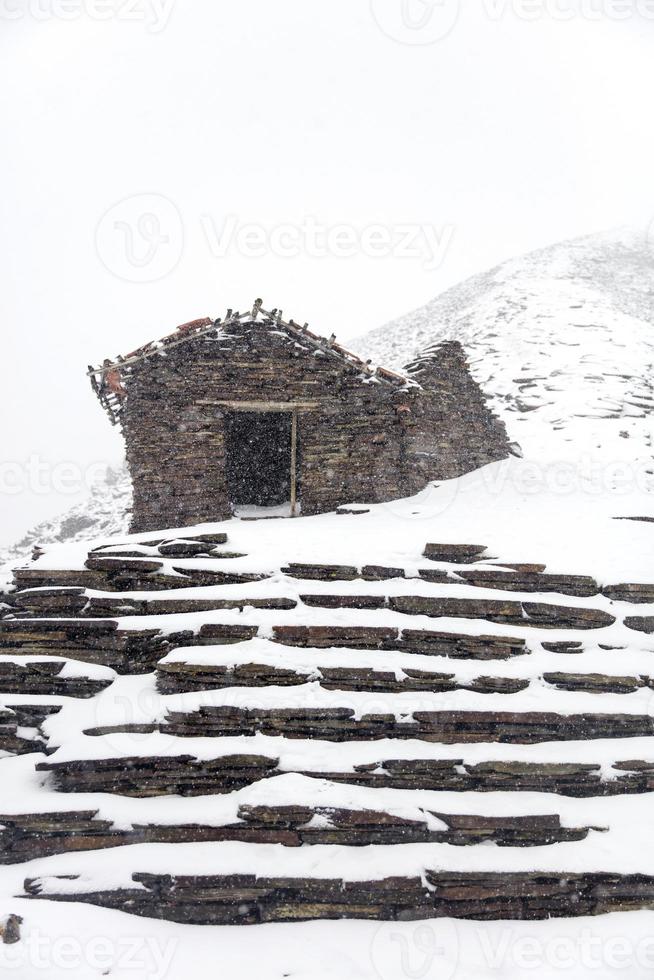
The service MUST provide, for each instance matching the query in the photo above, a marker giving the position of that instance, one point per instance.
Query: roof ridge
(197, 328)
(106, 382)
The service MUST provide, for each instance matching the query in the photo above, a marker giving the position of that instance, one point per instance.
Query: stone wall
(453, 430)
(361, 437)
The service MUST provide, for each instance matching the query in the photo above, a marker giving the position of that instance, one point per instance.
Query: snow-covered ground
(81, 943)
(515, 508)
(571, 531)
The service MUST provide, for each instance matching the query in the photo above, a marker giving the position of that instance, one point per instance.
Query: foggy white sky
(507, 133)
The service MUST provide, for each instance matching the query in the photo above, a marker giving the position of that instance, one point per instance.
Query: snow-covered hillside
(562, 340)
(104, 513)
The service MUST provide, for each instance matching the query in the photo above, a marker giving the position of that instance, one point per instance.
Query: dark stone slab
(446, 727)
(246, 899)
(508, 612)
(26, 837)
(642, 624)
(518, 581)
(460, 554)
(630, 592)
(179, 678)
(326, 573)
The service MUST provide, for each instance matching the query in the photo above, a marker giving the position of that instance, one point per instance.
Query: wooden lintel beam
(260, 406)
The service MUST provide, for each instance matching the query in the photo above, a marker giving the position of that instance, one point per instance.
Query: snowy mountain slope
(562, 340)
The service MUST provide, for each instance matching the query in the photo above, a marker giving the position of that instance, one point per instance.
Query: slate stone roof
(106, 378)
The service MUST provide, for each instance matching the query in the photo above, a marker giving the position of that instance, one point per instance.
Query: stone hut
(256, 411)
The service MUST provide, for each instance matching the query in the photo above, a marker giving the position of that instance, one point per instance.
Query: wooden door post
(294, 463)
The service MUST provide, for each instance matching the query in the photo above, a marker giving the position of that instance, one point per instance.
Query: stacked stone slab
(26, 837)
(63, 618)
(21, 727)
(184, 775)
(249, 899)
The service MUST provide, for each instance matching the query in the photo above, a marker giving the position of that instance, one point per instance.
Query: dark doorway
(259, 457)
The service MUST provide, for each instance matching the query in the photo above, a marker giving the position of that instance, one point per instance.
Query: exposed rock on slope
(562, 342)
(104, 513)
